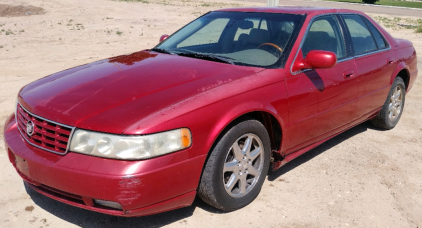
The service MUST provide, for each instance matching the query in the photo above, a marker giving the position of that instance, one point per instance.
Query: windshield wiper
(206, 57)
(162, 51)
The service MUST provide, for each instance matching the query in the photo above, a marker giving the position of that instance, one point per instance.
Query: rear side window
(362, 39)
(379, 39)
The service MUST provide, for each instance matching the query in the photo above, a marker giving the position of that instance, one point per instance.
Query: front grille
(47, 135)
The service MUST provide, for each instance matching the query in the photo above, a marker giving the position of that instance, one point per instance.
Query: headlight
(130, 147)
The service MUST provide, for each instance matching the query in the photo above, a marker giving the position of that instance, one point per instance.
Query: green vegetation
(79, 26)
(119, 33)
(388, 3)
(9, 32)
(397, 23)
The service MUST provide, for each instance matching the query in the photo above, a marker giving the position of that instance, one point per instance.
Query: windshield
(241, 38)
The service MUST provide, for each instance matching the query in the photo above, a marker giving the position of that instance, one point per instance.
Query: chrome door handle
(348, 73)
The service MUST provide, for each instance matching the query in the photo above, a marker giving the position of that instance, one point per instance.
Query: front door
(321, 101)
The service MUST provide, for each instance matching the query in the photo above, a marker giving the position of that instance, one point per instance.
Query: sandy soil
(362, 178)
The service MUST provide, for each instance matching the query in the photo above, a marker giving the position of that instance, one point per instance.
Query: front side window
(241, 38)
(362, 40)
(325, 34)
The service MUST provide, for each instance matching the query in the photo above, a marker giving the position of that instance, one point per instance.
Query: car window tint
(282, 32)
(212, 32)
(377, 35)
(362, 39)
(286, 26)
(261, 40)
(256, 25)
(325, 34)
(263, 25)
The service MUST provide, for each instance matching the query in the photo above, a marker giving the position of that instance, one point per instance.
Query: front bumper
(140, 187)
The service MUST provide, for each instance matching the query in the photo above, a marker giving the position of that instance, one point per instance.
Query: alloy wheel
(243, 165)
(396, 101)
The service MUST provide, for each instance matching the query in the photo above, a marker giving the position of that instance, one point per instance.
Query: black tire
(212, 185)
(383, 120)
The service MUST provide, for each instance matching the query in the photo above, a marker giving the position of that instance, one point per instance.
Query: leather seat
(257, 37)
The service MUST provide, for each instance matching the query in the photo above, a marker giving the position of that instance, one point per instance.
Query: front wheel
(392, 109)
(237, 167)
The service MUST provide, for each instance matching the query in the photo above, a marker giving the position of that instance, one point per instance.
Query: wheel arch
(403, 72)
(272, 124)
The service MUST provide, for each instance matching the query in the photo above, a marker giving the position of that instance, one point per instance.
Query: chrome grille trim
(24, 135)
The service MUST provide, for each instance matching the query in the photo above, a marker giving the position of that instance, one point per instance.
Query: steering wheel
(271, 44)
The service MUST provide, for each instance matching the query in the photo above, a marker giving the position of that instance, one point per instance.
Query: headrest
(259, 36)
(245, 24)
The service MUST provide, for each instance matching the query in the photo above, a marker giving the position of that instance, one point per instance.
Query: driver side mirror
(315, 59)
(163, 37)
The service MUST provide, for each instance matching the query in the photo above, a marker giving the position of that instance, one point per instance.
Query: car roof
(291, 10)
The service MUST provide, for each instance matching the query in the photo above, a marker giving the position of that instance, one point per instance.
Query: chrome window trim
(345, 59)
(303, 40)
(372, 52)
(52, 151)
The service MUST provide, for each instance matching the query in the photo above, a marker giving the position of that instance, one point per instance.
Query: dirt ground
(364, 177)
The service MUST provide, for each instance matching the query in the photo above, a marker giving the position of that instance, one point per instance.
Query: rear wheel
(237, 166)
(392, 109)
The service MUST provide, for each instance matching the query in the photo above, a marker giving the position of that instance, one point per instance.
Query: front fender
(208, 113)
(234, 113)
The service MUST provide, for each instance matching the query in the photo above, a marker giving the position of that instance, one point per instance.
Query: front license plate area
(22, 165)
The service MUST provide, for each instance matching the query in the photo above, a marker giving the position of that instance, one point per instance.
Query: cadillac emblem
(30, 128)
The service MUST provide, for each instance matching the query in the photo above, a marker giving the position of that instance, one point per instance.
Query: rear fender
(399, 67)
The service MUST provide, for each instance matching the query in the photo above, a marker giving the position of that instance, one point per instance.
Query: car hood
(110, 95)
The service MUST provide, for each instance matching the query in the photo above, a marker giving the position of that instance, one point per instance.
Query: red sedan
(208, 110)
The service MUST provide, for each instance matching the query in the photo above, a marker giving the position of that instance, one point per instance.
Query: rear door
(321, 101)
(374, 60)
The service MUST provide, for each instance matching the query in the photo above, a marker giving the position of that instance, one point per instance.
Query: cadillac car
(208, 111)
